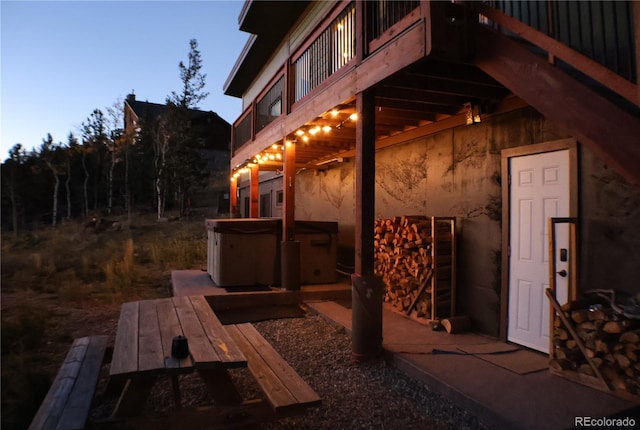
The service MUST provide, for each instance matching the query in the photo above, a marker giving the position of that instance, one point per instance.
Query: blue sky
(60, 60)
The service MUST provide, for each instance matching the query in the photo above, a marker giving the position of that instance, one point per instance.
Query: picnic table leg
(220, 386)
(176, 392)
(134, 396)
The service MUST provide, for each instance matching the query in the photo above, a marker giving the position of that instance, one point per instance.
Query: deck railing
(242, 132)
(333, 48)
(328, 53)
(381, 15)
(269, 107)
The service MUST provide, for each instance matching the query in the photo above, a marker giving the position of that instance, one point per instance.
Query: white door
(539, 190)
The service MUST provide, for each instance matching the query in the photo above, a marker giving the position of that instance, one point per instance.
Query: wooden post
(233, 198)
(254, 191)
(365, 182)
(290, 248)
(636, 25)
(366, 289)
(289, 190)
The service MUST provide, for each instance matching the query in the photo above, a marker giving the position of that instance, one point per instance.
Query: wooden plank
(150, 354)
(284, 388)
(134, 397)
(67, 404)
(557, 49)
(53, 404)
(221, 386)
(125, 349)
(589, 117)
(295, 384)
(199, 345)
(170, 328)
(226, 349)
(77, 409)
(277, 393)
(421, 288)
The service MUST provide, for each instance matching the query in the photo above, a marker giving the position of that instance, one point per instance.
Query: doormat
(247, 288)
(262, 313)
(509, 357)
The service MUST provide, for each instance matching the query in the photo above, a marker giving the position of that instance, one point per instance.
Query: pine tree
(177, 159)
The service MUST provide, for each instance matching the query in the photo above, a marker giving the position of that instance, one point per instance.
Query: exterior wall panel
(457, 173)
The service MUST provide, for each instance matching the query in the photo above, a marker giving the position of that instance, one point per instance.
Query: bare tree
(49, 154)
(115, 123)
(161, 149)
(72, 144)
(16, 157)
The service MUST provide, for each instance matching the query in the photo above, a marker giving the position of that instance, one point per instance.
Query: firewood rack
(441, 280)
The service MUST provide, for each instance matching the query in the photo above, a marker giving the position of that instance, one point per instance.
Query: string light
(303, 132)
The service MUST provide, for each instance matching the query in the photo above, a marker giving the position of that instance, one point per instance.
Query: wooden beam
(608, 130)
(636, 25)
(254, 190)
(365, 182)
(459, 72)
(233, 198)
(447, 86)
(289, 191)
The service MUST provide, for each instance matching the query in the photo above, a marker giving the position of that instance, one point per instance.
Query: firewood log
(458, 324)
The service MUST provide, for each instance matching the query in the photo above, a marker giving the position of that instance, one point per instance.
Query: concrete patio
(500, 397)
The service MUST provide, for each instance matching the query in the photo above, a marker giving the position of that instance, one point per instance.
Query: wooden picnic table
(142, 351)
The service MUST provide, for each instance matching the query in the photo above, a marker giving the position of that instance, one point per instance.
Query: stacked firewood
(403, 260)
(607, 345)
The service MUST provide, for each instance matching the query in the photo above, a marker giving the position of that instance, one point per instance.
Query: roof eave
(268, 22)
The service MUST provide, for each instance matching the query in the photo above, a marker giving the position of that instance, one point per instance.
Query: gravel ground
(368, 395)
(355, 396)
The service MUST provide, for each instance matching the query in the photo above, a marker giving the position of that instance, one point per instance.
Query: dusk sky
(60, 60)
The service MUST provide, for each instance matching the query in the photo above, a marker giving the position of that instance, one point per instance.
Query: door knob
(563, 273)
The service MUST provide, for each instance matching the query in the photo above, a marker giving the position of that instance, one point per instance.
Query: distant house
(502, 114)
(216, 135)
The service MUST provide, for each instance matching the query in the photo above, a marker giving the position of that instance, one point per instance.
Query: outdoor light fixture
(472, 112)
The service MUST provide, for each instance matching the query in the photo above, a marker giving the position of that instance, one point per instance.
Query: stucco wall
(457, 173)
(610, 233)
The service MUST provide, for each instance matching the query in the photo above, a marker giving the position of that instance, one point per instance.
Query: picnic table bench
(68, 401)
(285, 390)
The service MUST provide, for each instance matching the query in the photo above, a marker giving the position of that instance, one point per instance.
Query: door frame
(538, 148)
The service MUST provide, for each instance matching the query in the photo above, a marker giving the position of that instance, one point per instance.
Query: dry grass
(70, 282)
